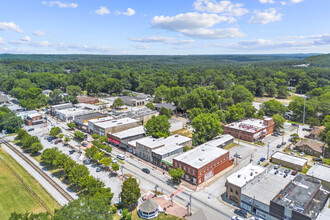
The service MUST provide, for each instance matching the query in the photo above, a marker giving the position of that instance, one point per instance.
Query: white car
(302, 154)
(121, 157)
(114, 160)
(237, 218)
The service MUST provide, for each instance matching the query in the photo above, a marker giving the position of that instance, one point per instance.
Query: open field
(15, 196)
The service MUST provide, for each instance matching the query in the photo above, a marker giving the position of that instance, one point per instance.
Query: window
(231, 189)
(214, 163)
(204, 169)
(200, 180)
(189, 170)
(200, 172)
(211, 165)
(208, 167)
(236, 192)
(184, 168)
(176, 164)
(194, 172)
(180, 165)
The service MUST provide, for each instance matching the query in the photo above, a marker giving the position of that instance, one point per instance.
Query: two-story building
(34, 119)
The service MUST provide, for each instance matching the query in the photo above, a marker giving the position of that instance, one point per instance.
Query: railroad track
(59, 189)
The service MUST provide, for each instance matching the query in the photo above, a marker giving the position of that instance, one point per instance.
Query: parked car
(71, 151)
(113, 160)
(57, 141)
(307, 136)
(121, 157)
(317, 159)
(236, 218)
(146, 170)
(241, 213)
(286, 171)
(87, 161)
(238, 156)
(31, 129)
(285, 175)
(98, 169)
(302, 154)
(293, 152)
(276, 172)
(276, 167)
(262, 159)
(294, 172)
(294, 124)
(283, 143)
(279, 146)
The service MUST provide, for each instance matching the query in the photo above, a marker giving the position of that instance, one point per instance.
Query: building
(148, 209)
(142, 114)
(316, 132)
(250, 129)
(133, 101)
(175, 124)
(121, 139)
(309, 147)
(243, 179)
(82, 120)
(172, 144)
(34, 119)
(202, 215)
(303, 199)
(46, 92)
(113, 126)
(319, 171)
(69, 114)
(202, 163)
(88, 106)
(87, 100)
(158, 106)
(91, 123)
(290, 161)
(55, 108)
(3, 99)
(25, 114)
(221, 141)
(168, 150)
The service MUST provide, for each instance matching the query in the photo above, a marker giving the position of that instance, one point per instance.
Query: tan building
(113, 126)
(309, 147)
(290, 161)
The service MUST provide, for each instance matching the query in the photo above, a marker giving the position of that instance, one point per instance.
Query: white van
(121, 157)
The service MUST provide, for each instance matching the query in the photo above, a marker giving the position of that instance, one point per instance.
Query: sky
(164, 27)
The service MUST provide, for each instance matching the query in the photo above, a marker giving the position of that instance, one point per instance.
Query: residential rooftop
(310, 143)
(319, 171)
(246, 174)
(251, 125)
(130, 132)
(114, 123)
(201, 155)
(267, 188)
(289, 158)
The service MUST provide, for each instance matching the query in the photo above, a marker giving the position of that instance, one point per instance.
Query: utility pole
(268, 150)
(190, 202)
(304, 109)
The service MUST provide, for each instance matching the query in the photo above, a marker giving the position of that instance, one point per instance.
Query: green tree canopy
(176, 174)
(273, 107)
(130, 194)
(279, 121)
(207, 126)
(158, 126)
(54, 131)
(118, 103)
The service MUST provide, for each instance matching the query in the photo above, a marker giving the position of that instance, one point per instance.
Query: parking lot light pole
(268, 150)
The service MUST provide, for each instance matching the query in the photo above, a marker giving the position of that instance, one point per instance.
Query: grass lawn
(230, 146)
(184, 132)
(14, 197)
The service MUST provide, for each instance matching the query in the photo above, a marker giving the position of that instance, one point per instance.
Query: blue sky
(164, 26)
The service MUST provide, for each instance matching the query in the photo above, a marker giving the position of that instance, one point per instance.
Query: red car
(294, 172)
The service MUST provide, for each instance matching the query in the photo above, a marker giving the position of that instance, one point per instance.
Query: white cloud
(39, 33)
(267, 1)
(180, 42)
(226, 7)
(2, 41)
(60, 4)
(141, 46)
(152, 39)
(10, 26)
(102, 11)
(264, 17)
(283, 3)
(203, 33)
(187, 21)
(129, 12)
(26, 38)
(296, 1)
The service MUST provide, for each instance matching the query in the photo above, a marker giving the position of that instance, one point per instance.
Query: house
(158, 106)
(122, 138)
(290, 161)
(309, 147)
(133, 101)
(250, 129)
(87, 100)
(202, 163)
(113, 126)
(34, 119)
(46, 92)
(55, 108)
(316, 132)
(3, 99)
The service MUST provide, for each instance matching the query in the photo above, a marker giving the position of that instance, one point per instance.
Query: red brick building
(87, 100)
(34, 119)
(202, 163)
(250, 129)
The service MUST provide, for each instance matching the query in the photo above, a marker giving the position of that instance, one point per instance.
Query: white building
(70, 113)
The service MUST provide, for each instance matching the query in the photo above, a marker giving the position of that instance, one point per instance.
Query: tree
(60, 160)
(312, 121)
(95, 136)
(28, 140)
(161, 93)
(158, 127)
(295, 137)
(77, 173)
(279, 121)
(103, 139)
(186, 148)
(207, 126)
(79, 135)
(106, 161)
(91, 151)
(21, 133)
(150, 105)
(36, 147)
(176, 174)
(130, 194)
(71, 125)
(115, 167)
(273, 107)
(250, 110)
(118, 103)
(282, 92)
(271, 89)
(66, 140)
(55, 96)
(235, 113)
(48, 155)
(194, 113)
(98, 156)
(241, 94)
(60, 136)
(167, 112)
(29, 216)
(54, 131)
(260, 114)
(73, 90)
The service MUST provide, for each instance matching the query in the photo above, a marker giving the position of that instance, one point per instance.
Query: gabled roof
(202, 215)
(311, 144)
(148, 206)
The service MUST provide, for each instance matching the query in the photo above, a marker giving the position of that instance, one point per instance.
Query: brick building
(202, 163)
(34, 119)
(87, 100)
(250, 129)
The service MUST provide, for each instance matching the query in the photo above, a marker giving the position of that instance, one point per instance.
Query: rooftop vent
(239, 175)
(251, 174)
(200, 159)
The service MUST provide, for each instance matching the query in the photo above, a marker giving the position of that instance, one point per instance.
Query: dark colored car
(57, 141)
(317, 159)
(294, 172)
(146, 170)
(71, 151)
(283, 143)
(241, 213)
(262, 159)
(31, 129)
(279, 146)
(98, 169)
(285, 175)
(294, 124)
(286, 171)
(87, 161)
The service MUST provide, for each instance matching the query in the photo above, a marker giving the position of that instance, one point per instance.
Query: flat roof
(201, 155)
(169, 159)
(320, 171)
(64, 104)
(90, 116)
(72, 111)
(130, 132)
(220, 140)
(114, 123)
(167, 149)
(241, 177)
(165, 105)
(251, 125)
(34, 115)
(267, 188)
(108, 118)
(289, 158)
(156, 142)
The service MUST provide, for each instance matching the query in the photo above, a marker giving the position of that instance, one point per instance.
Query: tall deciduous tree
(207, 126)
(176, 174)
(273, 107)
(158, 126)
(54, 131)
(242, 94)
(279, 121)
(130, 194)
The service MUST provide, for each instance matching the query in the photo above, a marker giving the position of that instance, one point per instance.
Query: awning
(168, 163)
(113, 141)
